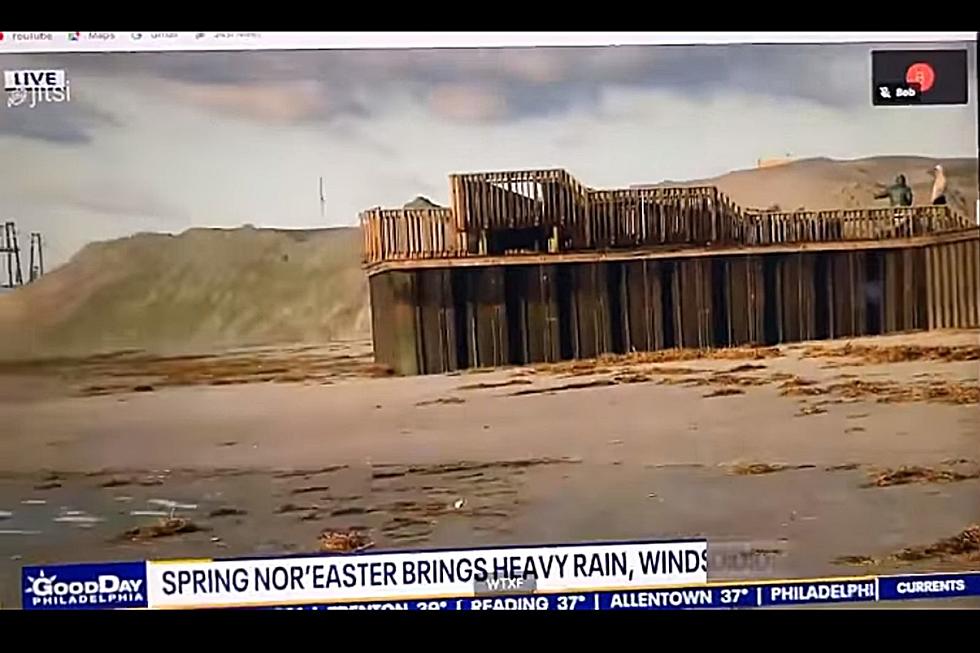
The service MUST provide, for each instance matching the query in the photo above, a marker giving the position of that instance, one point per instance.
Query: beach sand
(781, 456)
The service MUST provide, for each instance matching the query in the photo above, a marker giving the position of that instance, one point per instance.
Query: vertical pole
(8, 251)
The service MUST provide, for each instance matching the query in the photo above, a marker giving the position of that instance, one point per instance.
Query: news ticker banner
(614, 576)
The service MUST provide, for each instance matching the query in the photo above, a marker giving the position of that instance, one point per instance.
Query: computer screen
(489, 321)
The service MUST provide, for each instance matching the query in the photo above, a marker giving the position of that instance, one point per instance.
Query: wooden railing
(553, 202)
(766, 228)
(405, 234)
(518, 200)
(660, 216)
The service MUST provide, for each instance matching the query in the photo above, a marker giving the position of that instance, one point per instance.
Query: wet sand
(616, 449)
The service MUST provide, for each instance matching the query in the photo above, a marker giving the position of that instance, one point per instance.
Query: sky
(169, 141)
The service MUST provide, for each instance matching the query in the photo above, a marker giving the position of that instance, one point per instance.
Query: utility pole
(37, 257)
(323, 198)
(10, 249)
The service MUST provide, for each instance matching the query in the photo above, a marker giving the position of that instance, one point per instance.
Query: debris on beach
(116, 481)
(6, 514)
(442, 400)
(47, 485)
(754, 469)
(855, 560)
(668, 356)
(796, 386)
(580, 385)
(350, 541)
(306, 473)
(724, 392)
(350, 510)
(386, 471)
(227, 511)
(875, 354)
(164, 527)
(916, 474)
(745, 367)
(309, 489)
(815, 409)
(842, 467)
(966, 542)
(293, 507)
(497, 384)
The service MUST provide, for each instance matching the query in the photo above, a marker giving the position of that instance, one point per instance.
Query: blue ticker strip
(870, 589)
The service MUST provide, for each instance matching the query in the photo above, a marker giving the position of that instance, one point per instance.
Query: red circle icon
(921, 74)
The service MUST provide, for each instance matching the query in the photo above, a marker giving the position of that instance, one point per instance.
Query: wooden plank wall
(906, 289)
(395, 322)
(591, 319)
(953, 288)
(796, 295)
(692, 303)
(844, 284)
(541, 314)
(746, 300)
(439, 320)
(486, 307)
(642, 301)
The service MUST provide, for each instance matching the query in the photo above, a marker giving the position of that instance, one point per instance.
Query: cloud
(106, 197)
(467, 102)
(69, 123)
(286, 102)
(110, 199)
(478, 85)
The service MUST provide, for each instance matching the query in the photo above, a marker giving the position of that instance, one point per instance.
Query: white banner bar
(26, 42)
(407, 576)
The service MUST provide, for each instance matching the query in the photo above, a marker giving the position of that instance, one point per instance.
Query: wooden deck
(549, 212)
(532, 266)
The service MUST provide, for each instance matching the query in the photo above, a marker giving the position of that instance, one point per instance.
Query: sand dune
(201, 290)
(818, 184)
(209, 289)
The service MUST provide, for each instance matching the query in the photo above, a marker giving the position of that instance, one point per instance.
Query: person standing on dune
(938, 186)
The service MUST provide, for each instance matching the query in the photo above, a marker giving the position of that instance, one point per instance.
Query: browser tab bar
(162, 41)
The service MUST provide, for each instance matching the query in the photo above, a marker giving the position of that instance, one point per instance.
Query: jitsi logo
(32, 87)
(106, 588)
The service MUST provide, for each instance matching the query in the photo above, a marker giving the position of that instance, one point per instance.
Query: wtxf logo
(38, 86)
(88, 586)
